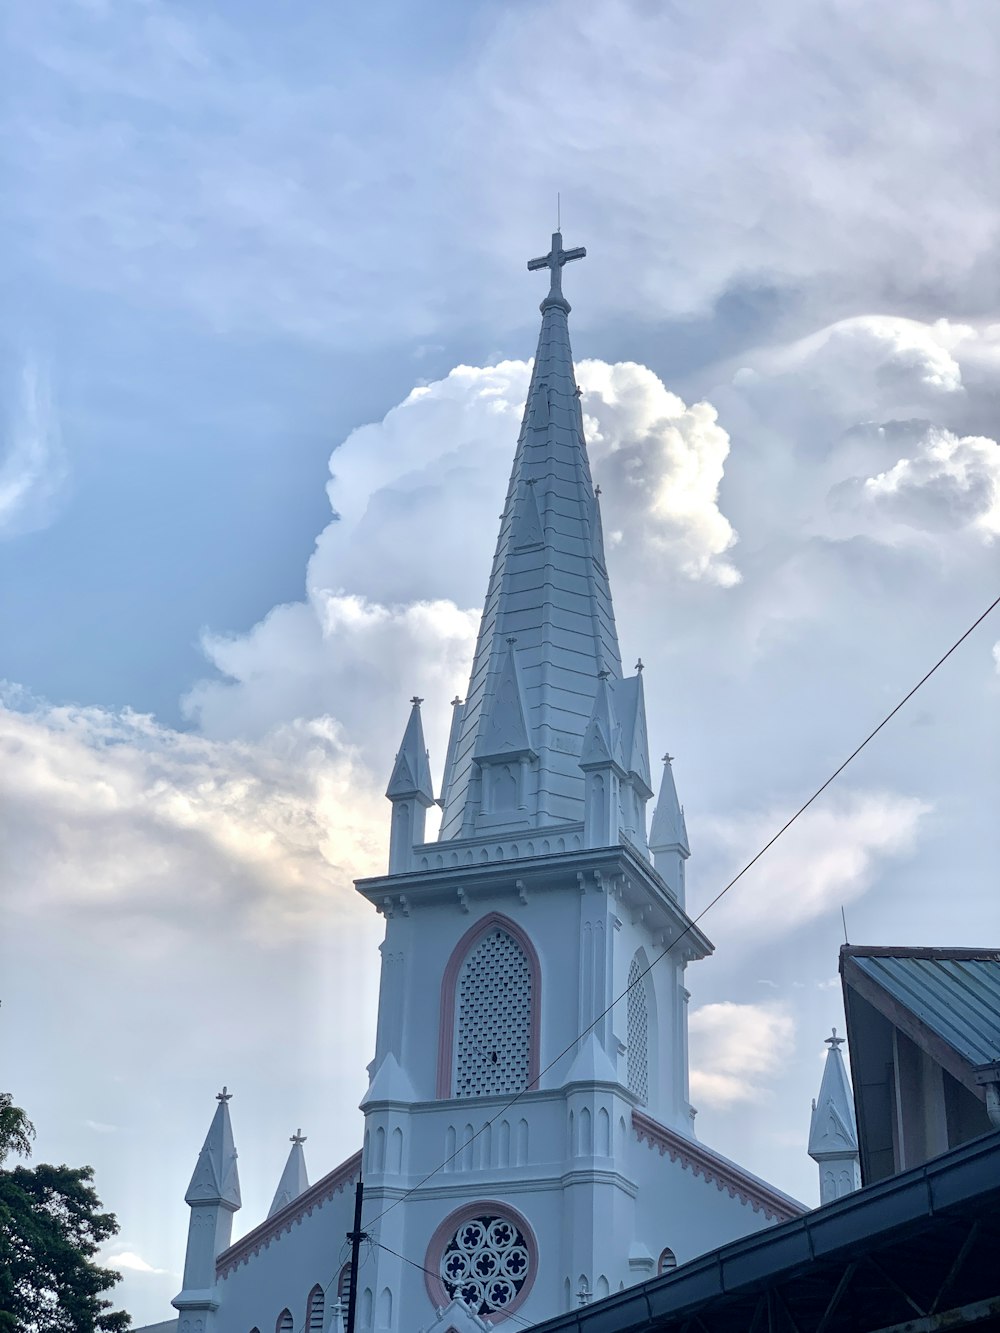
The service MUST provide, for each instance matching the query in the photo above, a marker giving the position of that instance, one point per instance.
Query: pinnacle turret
(213, 1197)
(294, 1179)
(216, 1178)
(833, 1133)
(668, 839)
(410, 792)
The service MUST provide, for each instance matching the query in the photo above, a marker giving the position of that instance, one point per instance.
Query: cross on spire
(224, 1096)
(834, 1041)
(298, 1137)
(554, 262)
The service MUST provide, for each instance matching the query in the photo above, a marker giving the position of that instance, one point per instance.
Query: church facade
(528, 1136)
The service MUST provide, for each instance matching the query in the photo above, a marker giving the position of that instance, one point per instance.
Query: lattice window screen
(638, 1034)
(493, 1018)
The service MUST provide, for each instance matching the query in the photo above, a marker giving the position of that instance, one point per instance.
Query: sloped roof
(920, 1241)
(953, 993)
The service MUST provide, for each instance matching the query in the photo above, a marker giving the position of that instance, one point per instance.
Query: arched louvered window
(344, 1285)
(493, 1017)
(637, 1053)
(316, 1308)
(285, 1324)
(667, 1261)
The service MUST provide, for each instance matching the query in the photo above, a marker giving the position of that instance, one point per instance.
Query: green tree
(51, 1227)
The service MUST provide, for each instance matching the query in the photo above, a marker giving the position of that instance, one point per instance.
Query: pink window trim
(436, 1289)
(449, 985)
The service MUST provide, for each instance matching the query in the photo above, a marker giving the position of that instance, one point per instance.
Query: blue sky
(246, 253)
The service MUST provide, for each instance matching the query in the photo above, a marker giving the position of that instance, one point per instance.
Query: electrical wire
(695, 920)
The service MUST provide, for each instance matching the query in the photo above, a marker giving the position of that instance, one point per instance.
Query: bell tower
(516, 930)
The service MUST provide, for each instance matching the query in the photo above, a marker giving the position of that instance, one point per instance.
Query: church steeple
(549, 595)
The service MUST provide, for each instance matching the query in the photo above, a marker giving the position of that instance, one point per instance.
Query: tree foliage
(51, 1227)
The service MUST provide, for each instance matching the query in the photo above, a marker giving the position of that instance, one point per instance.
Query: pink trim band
(449, 985)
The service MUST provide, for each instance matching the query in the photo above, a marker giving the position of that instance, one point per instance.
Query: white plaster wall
(286, 1269)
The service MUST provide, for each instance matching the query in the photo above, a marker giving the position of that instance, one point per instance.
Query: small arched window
(316, 1308)
(493, 1003)
(667, 1261)
(286, 1323)
(344, 1285)
(637, 1053)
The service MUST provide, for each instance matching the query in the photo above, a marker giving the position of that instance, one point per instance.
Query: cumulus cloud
(735, 1049)
(949, 483)
(860, 369)
(829, 857)
(662, 462)
(33, 464)
(116, 815)
(416, 499)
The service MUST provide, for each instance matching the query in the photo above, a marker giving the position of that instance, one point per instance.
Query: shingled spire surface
(548, 595)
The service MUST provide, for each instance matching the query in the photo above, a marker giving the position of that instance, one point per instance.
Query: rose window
(485, 1264)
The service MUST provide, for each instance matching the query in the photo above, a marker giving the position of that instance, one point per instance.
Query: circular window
(484, 1256)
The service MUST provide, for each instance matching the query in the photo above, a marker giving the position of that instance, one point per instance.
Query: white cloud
(829, 857)
(662, 463)
(736, 1048)
(33, 466)
(135, 1263)
(805, 148)
(116, 815)
(948, 484)
(416, 498)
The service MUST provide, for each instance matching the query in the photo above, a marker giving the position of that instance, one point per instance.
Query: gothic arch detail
(667, 1261)
(316, 1308)
(491, 986)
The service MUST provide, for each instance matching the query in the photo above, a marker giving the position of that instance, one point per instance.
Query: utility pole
(355, 1237)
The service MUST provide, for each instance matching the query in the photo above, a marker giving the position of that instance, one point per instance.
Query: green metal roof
(953, 992)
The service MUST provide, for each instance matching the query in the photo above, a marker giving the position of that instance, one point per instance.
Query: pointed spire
(668, 839)
(410, 792)
(631, 698)
(504, 733)
(528, 531)
(411, 774)
(602, 740)
(549, 587)
(833, 1131)
(294, 1179)
(216, 1178)
(668, 830)
(832, 1127)
(457, 709)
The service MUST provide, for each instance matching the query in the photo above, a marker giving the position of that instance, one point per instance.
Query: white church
(528, 1144)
